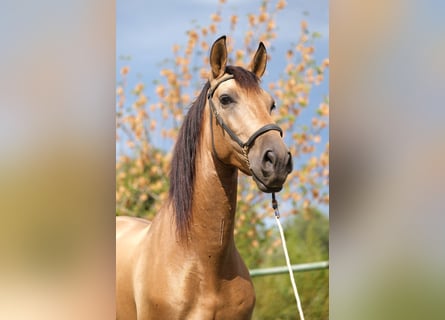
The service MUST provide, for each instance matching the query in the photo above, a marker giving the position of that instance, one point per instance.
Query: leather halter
(245, 146)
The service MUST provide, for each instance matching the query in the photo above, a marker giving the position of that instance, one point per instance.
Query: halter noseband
(245, 146)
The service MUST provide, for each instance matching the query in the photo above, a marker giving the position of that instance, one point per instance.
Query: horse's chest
(225, 305)
(231, 299)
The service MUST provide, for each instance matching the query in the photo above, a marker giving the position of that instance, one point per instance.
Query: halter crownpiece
(245, 146)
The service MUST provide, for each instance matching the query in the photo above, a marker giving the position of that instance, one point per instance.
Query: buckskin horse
(184, 263)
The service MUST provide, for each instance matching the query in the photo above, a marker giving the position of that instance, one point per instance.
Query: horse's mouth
(264, 187)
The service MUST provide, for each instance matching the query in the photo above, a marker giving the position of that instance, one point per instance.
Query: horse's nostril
(269, 157)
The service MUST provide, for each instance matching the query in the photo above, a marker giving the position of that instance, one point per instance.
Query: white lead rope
(286, 255)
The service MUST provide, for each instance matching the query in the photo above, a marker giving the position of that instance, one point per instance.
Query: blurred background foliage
(142, 163)
(307, 238)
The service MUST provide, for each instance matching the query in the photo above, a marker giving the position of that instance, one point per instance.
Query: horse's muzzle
(271, 166)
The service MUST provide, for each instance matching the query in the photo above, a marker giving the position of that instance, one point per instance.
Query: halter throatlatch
(245, 146)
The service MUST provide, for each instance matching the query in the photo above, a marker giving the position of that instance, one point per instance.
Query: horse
(184, 263)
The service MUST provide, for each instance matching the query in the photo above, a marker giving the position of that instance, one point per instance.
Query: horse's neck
(214, 202)
(214, 206)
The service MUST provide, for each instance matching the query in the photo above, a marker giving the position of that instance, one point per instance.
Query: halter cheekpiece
(245, 146)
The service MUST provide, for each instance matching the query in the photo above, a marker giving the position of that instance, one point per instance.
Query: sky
(147, 30)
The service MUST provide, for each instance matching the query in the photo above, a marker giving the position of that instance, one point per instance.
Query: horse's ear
(259, 61)
(218, 57)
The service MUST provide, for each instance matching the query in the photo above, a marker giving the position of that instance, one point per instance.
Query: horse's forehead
(257, 93)
(258, 96)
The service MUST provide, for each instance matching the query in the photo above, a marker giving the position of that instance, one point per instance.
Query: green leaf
(316, 35)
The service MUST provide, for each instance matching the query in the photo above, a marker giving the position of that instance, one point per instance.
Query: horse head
(243, 132)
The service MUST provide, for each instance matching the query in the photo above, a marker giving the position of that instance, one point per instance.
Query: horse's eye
(272, 107)
(225, 99)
